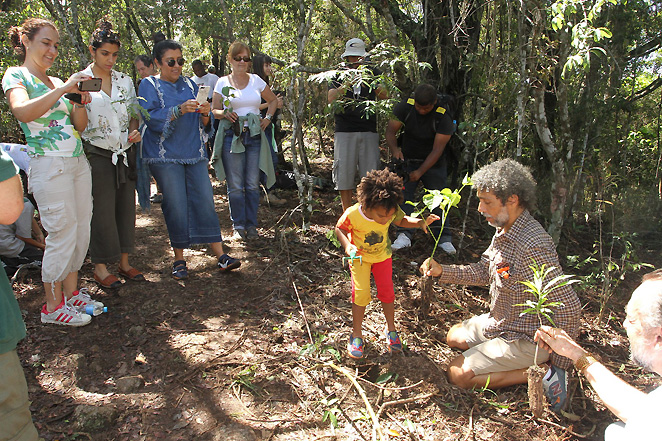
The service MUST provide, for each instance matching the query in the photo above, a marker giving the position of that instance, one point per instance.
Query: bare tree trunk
(299, 157)
(73, 31)
(228, 20)
(523, 89)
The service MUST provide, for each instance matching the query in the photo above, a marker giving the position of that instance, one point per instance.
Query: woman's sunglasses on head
(246, 59)
(171, 62)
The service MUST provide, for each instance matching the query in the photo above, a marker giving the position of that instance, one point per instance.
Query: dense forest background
(571, 88)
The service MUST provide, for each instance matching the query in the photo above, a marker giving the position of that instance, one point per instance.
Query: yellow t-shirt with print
(370, 237)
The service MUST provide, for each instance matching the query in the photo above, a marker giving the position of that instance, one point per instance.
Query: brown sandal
(110, 282)
(132, 274)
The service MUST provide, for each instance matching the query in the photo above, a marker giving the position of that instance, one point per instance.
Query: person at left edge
(15, 419)
(174, 148)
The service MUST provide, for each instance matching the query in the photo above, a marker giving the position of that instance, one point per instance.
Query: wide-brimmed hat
(354, 48)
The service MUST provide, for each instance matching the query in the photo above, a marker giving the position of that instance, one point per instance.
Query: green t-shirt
(12, 328)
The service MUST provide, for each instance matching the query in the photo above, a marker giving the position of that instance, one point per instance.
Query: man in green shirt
(15, 418)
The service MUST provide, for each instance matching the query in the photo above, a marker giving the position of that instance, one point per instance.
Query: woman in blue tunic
(174, 148)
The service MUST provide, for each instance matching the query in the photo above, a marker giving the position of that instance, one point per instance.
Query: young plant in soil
(444, 200)
(540, 307)
(228, 94)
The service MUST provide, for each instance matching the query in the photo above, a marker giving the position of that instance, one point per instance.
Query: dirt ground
(259, 353)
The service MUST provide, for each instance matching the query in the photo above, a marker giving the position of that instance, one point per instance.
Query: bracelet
(584, 362)
(178, 111)
(79, 106)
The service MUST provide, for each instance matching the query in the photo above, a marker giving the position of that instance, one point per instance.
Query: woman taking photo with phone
(174, 148)
(112, 129)
(59, 173)
(241, 149)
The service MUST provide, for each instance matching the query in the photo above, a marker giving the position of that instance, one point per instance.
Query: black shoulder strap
(438, 109)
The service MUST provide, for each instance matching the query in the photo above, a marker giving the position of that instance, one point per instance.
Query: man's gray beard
(639, 356)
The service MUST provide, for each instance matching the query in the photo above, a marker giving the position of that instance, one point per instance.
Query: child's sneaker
(355, 347)
(555, 385)
(227, 263)
(81, 298)
(394, 343)
(65, 315)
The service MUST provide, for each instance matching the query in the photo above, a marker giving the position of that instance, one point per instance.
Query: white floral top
(53, 133)
(108, 116)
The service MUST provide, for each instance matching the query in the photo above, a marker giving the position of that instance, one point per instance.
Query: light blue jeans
(242, 173)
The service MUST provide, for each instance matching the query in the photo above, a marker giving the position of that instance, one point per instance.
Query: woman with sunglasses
(243, 150)
(59, 174)
(108, 142)
(174, 148)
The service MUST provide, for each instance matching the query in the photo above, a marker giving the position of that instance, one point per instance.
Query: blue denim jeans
(188, 203)
(242, 173)
(433, 179)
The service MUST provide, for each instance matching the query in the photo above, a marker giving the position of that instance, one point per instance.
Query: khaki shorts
(496, 355)
(354, 152)
(15, 418)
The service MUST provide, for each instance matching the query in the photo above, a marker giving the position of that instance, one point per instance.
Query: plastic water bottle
(95, 310)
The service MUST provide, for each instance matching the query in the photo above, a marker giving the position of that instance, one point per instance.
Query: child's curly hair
(380, 188)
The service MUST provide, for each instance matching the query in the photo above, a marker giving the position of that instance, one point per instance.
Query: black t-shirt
(353, 119)
(419, 131)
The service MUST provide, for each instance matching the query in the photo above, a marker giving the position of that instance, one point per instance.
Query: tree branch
(646, 48)
(348, 13)
(652, 87)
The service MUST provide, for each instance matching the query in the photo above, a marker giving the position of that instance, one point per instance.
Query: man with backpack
(427, 125)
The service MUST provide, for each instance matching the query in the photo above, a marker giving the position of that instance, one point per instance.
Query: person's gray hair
(650, 306)
(505, 178)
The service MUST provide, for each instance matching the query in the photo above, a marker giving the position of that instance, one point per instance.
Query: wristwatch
(269, 116)
(584, 362)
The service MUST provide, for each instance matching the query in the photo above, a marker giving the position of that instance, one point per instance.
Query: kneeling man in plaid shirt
(498, 346)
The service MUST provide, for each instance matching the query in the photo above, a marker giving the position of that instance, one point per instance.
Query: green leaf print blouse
(52, 134)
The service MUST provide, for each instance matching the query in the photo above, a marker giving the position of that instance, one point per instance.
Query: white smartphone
(203, 94)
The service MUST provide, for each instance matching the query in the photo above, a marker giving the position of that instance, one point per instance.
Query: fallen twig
(209, 363)
(376, 427)
(403, 401)
(390, 388)
(303, 311)
(578, 435)
(471, 423)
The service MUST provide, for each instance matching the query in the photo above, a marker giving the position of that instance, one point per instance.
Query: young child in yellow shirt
(363, 231)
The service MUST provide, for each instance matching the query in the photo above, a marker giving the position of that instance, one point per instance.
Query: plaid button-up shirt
(503, 266)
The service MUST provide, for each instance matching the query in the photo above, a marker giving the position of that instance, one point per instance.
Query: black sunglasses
(171, 62)
(246, 59)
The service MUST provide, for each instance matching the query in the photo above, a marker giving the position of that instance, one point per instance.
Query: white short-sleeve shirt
(246, 100)
(108, 116)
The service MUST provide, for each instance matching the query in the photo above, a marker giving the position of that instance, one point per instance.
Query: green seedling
(332, 411)
(440, 199)
(541, 306)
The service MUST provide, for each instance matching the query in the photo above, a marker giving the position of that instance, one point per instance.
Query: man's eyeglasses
(246, 59)
(171, 62)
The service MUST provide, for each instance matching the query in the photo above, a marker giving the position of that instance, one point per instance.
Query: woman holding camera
(243, 150)
(174, 148)
(112, 129)
(59, 173)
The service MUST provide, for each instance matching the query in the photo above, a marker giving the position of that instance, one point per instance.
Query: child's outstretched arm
(344, 241)
(414, 222)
